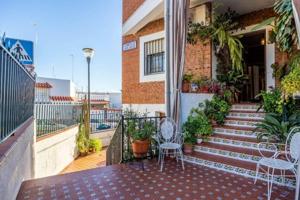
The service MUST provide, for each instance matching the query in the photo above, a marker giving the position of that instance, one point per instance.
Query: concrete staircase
(233, 146)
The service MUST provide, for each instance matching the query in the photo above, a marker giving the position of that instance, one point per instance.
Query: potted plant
(140, 135)
(186, 84)
(189, 141)
(198, 124)
(205, 128)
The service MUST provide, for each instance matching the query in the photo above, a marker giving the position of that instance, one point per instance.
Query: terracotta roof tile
(61, 98)
(43, 85)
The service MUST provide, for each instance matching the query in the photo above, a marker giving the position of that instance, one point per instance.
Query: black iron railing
(105, 119)
(120, 149)
(16, 94)
(53, 117)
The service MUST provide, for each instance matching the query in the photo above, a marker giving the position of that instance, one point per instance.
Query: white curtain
(296, 11)
(176, 32)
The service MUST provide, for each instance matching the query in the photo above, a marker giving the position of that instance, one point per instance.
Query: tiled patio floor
(130, 182)
(88, 162)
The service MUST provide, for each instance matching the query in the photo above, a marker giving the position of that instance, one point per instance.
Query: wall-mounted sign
(129, 45)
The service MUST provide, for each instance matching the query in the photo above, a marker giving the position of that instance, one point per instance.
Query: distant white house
(55, 90)
(103, 99)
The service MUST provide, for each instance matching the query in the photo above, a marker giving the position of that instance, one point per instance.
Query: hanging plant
(219, 32)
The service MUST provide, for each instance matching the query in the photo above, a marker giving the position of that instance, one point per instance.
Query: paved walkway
(130, 182)
(88, 162)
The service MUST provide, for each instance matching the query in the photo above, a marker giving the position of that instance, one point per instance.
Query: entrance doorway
(254, 68)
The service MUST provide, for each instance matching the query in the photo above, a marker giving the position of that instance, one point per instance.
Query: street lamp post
(88, 53)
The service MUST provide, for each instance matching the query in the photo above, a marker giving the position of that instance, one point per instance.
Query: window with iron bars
(154, 56)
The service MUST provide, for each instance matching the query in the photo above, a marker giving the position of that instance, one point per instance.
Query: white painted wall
(115, 99)
(191, 100)
(60, 87)
(54, 153)
(17, 165)
(146, 108)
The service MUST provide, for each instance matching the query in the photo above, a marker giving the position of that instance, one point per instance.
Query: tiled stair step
(238, 122)
(237, 143)
(235, 166)
(246, 107)
(249, 155)
(239, 131)
(236, 137)
(246, 115)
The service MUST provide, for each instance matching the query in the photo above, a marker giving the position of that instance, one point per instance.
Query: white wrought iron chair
(169, 141)
(292, 154)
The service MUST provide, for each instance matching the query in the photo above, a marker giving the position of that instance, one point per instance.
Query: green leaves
(286, 34)
(267, 22)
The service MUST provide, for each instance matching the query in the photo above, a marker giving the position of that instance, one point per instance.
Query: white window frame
(150, 77)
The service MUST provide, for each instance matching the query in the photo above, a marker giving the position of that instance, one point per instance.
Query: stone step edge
(236, 134)
(237, 170)
(250, 158)
(251, 145)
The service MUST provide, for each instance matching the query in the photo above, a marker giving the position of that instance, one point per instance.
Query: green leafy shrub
(198, 124)
(291, 82)
(217, 109)
(271, 101)
(275, 129)
(95, 145)
(140, 129)
(82, 142)
(189, 138)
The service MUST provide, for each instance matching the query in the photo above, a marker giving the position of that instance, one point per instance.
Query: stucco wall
(16, 165)
(192, 100)
(54, 153)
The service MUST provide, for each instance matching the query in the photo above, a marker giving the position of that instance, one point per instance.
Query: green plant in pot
(189, 141)
(198, 124)
(186, 83)
(140, 136)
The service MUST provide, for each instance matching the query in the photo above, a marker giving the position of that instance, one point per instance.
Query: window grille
(154, 56)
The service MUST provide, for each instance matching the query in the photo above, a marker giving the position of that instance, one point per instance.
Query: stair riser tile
(237, 170)
(235, 132)
(228, 154)
(236, 143)
(258, 116)
(246, 107)
(237, 123)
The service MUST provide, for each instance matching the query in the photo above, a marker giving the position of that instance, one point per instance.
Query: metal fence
(53, 117)
(120, 149)
(16, 94)
(105, 119)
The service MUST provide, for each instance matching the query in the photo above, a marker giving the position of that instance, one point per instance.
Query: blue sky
(64, 27)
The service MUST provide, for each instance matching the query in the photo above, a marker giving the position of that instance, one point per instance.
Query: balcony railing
(16, 94)
(120, 149)
(105, 119)
(53, 117)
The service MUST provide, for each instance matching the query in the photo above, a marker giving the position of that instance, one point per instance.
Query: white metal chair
(169, 141)
(292, 154)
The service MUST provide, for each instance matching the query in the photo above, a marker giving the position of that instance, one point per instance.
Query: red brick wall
(199, 60)
(134, 92)
(255, 17)
(129, 6)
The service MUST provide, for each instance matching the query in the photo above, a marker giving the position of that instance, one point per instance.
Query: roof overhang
(149, 11)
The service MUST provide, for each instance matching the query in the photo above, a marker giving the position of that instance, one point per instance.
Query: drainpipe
(167, 54)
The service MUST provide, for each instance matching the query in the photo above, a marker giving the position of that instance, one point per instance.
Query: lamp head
(88, 52)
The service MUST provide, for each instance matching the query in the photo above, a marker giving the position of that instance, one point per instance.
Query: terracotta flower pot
(140, 147)
(185, 86)
(204, 89)
(188, 148)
